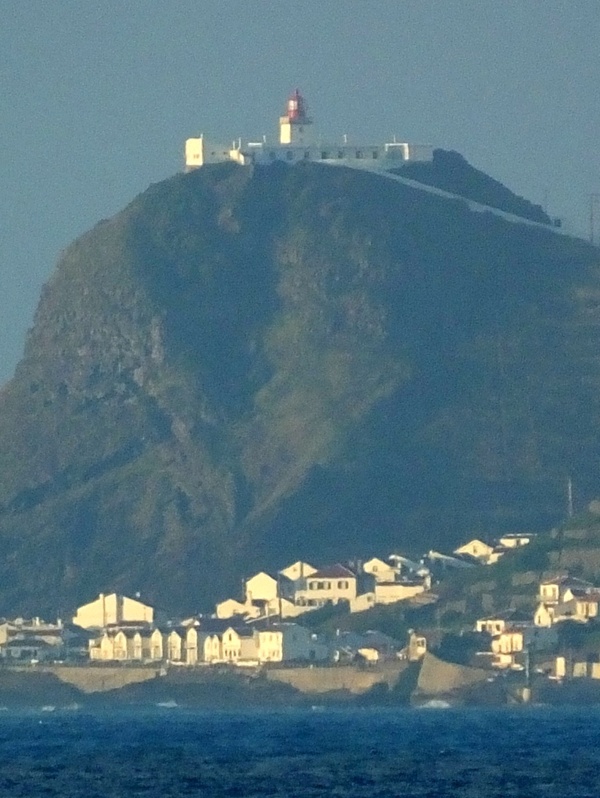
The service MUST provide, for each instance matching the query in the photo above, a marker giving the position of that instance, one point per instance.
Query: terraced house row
(208, 641)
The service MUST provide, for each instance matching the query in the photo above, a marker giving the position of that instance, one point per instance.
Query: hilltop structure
(298, 142)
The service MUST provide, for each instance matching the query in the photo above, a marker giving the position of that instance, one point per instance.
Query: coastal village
(271, 625)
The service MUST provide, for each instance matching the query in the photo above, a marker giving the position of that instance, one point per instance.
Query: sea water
(170, 751)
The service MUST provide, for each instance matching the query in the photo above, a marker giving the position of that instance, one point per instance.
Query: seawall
(440, 678)
(90, 679)
(338, 678)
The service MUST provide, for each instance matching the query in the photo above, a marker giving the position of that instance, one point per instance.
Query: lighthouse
(295, 127)
(298, 143)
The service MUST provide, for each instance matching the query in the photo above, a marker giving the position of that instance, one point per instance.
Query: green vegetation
(451, 172)
(245, 367)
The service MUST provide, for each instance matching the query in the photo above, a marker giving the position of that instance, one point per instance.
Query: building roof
(260, 573)
(336, 571)
(567, 581)
(29, 643)
(587, 595)
(510, 614)
(142, 625)
(470, 543)
(241, 631)
(401, 583)
(218, 625)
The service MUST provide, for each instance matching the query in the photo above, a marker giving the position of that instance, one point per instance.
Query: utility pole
(594, 207)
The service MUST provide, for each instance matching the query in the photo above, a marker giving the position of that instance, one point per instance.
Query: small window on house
(324, 155)
(359, 154)
(341, 153)
(375, 154)
(343, 585)
(326, 585)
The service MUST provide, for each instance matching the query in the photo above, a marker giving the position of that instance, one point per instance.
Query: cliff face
(245, 367)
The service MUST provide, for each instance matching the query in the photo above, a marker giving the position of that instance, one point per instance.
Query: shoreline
(88, 687)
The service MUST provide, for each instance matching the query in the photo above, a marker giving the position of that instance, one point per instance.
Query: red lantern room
(294, 126)
(296, 108)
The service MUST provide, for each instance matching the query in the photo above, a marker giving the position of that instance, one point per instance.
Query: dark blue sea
(305, 753)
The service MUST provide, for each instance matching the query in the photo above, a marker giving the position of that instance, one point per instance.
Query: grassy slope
(242, 368)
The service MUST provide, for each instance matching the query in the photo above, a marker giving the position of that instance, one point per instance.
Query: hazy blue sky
(97, 97)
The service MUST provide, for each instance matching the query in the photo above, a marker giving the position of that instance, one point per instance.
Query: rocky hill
(248, 366)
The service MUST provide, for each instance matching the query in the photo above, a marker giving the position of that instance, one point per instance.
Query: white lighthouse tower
(295, 127)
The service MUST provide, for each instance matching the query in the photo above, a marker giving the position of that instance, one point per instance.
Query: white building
(392, 592)
(559, 589)
(230, 608)
(261, 587)
(112, 609)
(328, 585)
(515, 540)
(201, 646)
(476, 548)
(299, 142)
(380, 570)
(298, 570)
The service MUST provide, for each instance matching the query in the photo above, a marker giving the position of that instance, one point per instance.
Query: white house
(299, 644)
(201, 646)
(261, 587)
(544, 615)
(112, 609)
(392, 592)
(328, 585)
(514, 540)
(477, 549)
(494, 624)
(174, 641)
(581, 607)
(380, 570)
(559, 589)
(230, 608)
(297, 570)
(237, 644)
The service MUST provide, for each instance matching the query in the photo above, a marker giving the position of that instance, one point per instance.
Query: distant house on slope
(477, 549)
(112, 609)
(328, 585)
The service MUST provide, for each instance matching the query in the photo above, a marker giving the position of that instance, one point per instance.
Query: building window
(359, 154)
(343, 585)
(324, 155)
(375, 155)
(341, 154)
